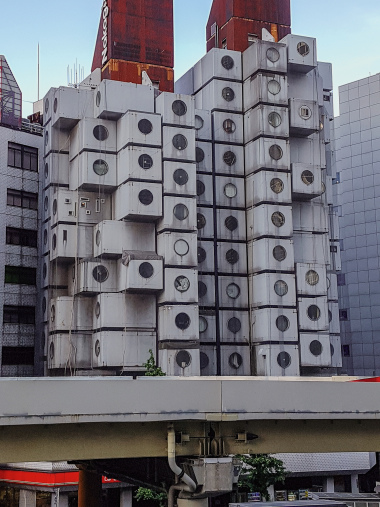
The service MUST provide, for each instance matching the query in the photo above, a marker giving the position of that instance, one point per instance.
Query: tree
(151, 496)
(259, 472)
(152, 370)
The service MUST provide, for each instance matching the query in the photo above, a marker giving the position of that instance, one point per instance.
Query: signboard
(254, 497)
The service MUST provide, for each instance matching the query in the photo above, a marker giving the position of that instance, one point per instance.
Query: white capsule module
(55, 169)
(325, 71)
(269, 220)
(234, 326)
(228, 127)
(71, 105)
(336, 351)
(140, 272)
(231, 225)
(267, 153)
(139, 163)
(230, 192)
(203, 125)
(308, 150)
(205, 190)
(176, 109)
(203, 157)
(274, 325)
(265, 88)
(305, 86)
(178, 323)
(180, 178)
(266, 120)
(313, 314)
(90, 171)
(91, 276)
(306, 182)
(206, 261)
(236, 361)
(93, 134)
(178, 144)
(334, 322)
(232, 258)
(302, 53)
(264, 56)
(207, 358)
(304, 117)
(114, 98)
(138, 200)
(56, 140)
(124, 311)
(180, 286)
(112, 237)
(70, 241)
(310, 217)
(221, 95)
(272, 289)
(311, 248)
(48, 102)
(229, 160)
(179, 214)
(205, 223)
(206, 291)
(178, 248)
(70, 313)
(128, 350)
(69, 351)
(311, 279)
(315, 350)
(139, 128)
(218, 63)
(180, 362)
(268, 187)
(233, 291)
(207, 326)
(270, 254)
(78, 207)
(276, 360)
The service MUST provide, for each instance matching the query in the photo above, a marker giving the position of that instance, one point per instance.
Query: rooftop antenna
(75, 75)
(38, 72)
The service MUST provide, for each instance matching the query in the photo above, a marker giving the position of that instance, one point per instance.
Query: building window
(252, 37)
(21, 237)
(346, 351)
(341, 277)
(19, 314)
(20, 275)
(23, 157)
(224, 44)
(343, 314)
(12, 356)
(22, 199)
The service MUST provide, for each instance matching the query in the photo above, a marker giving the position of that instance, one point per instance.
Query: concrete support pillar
(125, 498)
(271, 493)
(90, 489)
(27, 498)
(354, 483)
(64, 500)
(328, 485)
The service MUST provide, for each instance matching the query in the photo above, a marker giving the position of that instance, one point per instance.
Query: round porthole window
(198, 122)
(330, 316)
(284, 360)
(200, 188)
(314, 313)
(98, 238)
(183, 359)
(233, 291)
(275, 152)
(97, 310)
(43, 304)
(98, 99)
(55, 105)
(203, 360)
(316, 348)
(277, 185)
(145, 126)
(97, 348)
(203, 325)
(179, 142)
(229, 158)
(231, 223)
(100, 132)
(45, 237)
(230, 190)
(232, 256)
(179, 108)
(145, 161)
(202, 289)
(201, 255)
(54, 241)
(46, 170)
(278, 219)
(282, 323)
(273, 55)
(46, 203)
(281, 288)
(307, 177)
(100, 273)
(146, 270)
(182, 321)
(44, 271)
(274, 87)
(279, 253)
(235, 361)
(228, 94)
(55, 207)
(303, 48)
(100, 167)
(52, 313)
(227, 62)
(274, 119)
(201, 221)
(332, 349)
(47, 105)
(305, 112)
(181, 212)
(181, 177)
(182, 283)
(181, 247)
(51, 350)
(199, 155)
(312, 277)
(146, 197)
(229, 126)
(234, 325)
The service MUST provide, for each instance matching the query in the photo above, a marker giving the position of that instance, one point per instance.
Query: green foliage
(152, 496)
(259, 472)
(152, 370)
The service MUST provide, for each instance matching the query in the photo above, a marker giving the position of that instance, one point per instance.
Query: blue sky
(346, 32)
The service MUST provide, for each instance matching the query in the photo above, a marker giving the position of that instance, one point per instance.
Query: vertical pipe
(90, 489)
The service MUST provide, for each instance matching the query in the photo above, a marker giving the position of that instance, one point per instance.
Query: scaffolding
(10, 96)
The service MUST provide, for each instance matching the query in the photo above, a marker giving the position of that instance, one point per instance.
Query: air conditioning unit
(311, 248)
(180, 178)
(71, 105)
(265, 120)
(232, 258)
(93, 134)
(304, 117)
(264, 56)
(180, 362)
(308, 150)
(206, 256)
(139, 163)
(302, 53)
(205, 190)
(315, 350)
(178, 144)
(229, 160)
(114, 98)
(207, 360)
(203, 156)
(268, 186)
(179, 214)
(176, 109)
(178, 323)
(230, 192)
(203, 125)
(112, 237)
(267, 153)
(82, 208)
(264, 88)
(270, 220)
(310, 217)
(274, 325)
(306, 182)
(114, 312)
(205, 223)
(181, 286)
(70, 314)
(136, 200)
(56, 140)
(235, 361)
(313, 314)
(233, 291)
(270, 254)
(92, 276)
(70, 241)
(68, 352)
(332, 286)
(222, 95)
(311, 279)
(125, 350)
(178, 248)
(139, 128)
(336, 351)
(272, 289)
(206, 291)
(218, 63)
(276, 360)
(234, 326)
(228, 127)
(48, 103)
(334, 317)
(140, 272)
(93, 171)
(231, 225)
(55, 169)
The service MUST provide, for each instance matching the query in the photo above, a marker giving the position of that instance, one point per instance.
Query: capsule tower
(197, 223)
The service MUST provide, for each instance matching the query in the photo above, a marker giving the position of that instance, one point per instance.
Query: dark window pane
(13, 356)
(20, 275)
(23, 157)
(23, 237)
(19, 314)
